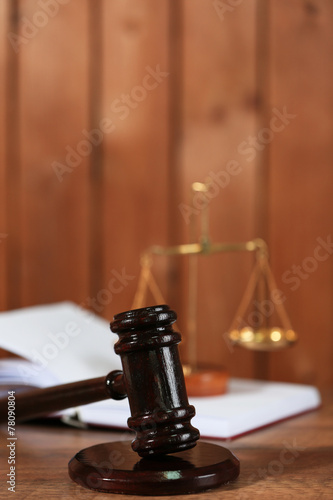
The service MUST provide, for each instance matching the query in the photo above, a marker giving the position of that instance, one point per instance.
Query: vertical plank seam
(96, 167)
(13, 168)
(263, 54)
(175, 132)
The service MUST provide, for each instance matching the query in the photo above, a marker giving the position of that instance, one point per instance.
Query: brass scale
(262, 338)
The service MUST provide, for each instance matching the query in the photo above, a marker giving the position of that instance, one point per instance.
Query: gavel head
(154, 381)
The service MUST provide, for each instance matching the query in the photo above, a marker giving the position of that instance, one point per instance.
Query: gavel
(153, 380)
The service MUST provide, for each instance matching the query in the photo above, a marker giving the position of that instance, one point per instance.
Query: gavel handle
(40, 402)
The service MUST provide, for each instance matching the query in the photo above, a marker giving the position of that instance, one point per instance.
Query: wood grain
(95, 83)
(54, 207)
(219, 114)
(3, 226)
(80, 238)
(12, 164)
(301, 183)
(289, 460)
(135, 176)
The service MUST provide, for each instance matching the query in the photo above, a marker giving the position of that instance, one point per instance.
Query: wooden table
(290, 460)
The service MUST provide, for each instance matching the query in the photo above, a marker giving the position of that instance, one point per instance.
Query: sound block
(116, 468)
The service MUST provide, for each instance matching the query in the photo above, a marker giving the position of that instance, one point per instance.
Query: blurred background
(111, 109)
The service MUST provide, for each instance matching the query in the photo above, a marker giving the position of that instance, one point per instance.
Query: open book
(62, 343)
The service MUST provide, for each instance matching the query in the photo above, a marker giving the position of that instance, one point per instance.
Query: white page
(252, 404)
(70, 342)
(74, 345)
(248, 405)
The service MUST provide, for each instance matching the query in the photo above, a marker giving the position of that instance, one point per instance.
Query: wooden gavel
(153, 380)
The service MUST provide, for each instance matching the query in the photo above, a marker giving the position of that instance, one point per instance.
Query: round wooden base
(116, 468)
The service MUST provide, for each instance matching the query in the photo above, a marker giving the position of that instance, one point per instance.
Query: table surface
(292, 459)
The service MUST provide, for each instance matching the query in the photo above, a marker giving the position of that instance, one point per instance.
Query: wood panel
(95, 81)
(135, 176)
(12, 161)
(55, 152)
(175, 135)
(3, 227)
(301, 184)
(220, 112)
(156, 95)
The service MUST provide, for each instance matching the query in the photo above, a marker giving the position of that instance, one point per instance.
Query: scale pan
(263, 339)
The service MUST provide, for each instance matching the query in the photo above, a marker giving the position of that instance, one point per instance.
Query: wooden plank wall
(55, 205)
(4, 20)
(301, 182)
(109, 110)
(134, 181)
(219, 113)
